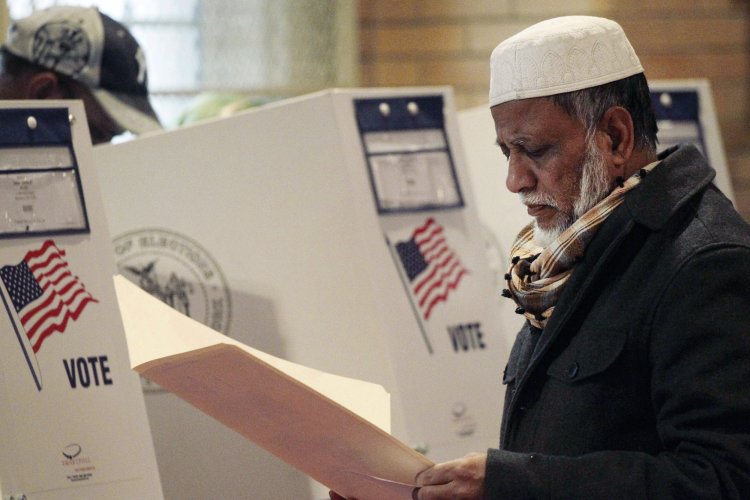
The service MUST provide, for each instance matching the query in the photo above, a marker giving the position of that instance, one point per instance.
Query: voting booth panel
(685, 114)
(73, 422)
(337, 230)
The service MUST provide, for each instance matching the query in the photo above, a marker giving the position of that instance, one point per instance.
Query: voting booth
(337, 230)
(685, 114)
(73, 422)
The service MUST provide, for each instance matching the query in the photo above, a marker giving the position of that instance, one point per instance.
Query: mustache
(536, 198)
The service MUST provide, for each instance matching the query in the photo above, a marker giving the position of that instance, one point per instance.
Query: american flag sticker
(432, 268)
(45, 295)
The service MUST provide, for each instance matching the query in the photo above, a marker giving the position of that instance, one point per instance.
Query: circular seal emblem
(178, 271)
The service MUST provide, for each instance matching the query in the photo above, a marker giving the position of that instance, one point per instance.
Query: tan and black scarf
(537, 276)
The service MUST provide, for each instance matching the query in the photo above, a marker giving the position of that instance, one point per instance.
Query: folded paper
(332, 428)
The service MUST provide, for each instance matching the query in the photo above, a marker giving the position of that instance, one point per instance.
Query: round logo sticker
(178, 271)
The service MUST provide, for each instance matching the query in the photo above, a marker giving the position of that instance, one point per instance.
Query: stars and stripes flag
(44, 293)
(432, 267)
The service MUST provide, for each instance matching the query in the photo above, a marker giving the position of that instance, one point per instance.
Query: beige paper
(278, 411)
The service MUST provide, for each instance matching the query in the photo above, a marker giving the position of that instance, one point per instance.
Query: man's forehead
(523, 112)
(532, 119)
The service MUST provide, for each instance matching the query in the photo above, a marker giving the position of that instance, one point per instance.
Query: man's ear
(616, 127)
(44, 85)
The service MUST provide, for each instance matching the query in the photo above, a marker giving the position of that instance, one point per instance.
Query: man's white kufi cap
(560, 55)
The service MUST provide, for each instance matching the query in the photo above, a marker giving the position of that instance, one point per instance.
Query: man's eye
(536, 152)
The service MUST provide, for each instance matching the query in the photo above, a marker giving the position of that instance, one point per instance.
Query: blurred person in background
(68, 52)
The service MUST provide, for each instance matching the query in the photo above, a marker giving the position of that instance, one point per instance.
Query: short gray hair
(589, 105)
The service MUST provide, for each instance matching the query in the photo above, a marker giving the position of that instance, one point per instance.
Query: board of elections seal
(178, 271)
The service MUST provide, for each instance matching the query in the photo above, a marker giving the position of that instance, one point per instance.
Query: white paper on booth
(154, 330)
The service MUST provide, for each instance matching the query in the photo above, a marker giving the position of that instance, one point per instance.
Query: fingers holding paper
(462, 478)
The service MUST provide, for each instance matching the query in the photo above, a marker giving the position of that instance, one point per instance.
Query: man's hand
(458, 479)
(461, 479)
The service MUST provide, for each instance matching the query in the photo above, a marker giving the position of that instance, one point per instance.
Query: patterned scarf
(537, 276)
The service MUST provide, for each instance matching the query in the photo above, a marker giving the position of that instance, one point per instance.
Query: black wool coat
(639, 386)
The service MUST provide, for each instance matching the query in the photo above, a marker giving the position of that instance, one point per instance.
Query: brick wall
(448, 42)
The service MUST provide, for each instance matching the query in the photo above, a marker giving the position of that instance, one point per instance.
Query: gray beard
(593, 188)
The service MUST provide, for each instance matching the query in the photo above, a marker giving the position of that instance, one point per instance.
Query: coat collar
(682, 173)
(661, 193)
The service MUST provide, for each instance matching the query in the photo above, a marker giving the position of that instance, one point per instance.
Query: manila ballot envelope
(332, 428)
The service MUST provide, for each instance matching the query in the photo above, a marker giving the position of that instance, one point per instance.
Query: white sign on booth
(72, 419)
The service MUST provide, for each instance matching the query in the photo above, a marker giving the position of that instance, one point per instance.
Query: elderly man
(631, 376)
(70, 52)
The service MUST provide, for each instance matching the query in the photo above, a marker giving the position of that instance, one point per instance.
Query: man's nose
(519, 177)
